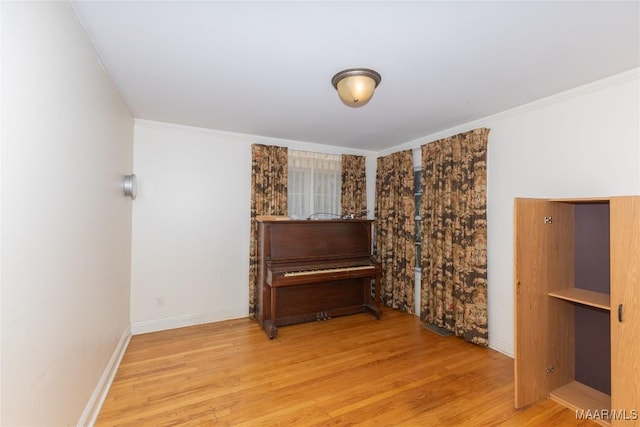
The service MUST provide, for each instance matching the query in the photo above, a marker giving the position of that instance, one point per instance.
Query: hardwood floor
(351, 370)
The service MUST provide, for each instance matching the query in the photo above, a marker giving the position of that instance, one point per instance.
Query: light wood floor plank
(351, 370)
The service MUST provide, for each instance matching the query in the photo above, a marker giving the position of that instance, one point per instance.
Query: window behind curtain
(314, 185)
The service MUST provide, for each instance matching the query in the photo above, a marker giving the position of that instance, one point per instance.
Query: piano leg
(375, 307)
(271, 328)
(377, 293)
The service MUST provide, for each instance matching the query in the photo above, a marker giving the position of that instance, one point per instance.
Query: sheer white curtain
(314, 185)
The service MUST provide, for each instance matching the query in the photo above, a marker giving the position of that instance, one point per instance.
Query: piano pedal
(322, 315)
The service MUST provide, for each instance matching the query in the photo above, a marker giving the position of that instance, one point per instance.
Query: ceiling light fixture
(355, 86)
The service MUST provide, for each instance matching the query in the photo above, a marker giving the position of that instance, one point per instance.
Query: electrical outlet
(159, 301)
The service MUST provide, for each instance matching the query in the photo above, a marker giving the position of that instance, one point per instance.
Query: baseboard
(92, 409)
(156, 325)
(501, 345)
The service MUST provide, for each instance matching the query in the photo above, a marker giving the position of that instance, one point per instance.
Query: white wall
(67, 141)
(581, 143)
(190, 249)
(190, 227)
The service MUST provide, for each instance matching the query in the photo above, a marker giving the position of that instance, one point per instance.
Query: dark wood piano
(315, 270)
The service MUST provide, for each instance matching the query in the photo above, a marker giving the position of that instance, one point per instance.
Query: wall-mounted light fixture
(355, 86)
(130, 186)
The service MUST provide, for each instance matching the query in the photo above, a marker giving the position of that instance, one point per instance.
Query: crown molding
(611, 81)
(253, 139)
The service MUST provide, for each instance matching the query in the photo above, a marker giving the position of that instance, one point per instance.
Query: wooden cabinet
(625, 303)
(577, 306)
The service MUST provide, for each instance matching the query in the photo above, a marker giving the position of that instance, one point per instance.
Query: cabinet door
(625, 297)
(544, 326)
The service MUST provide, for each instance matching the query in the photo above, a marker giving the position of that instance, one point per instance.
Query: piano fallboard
(315, 270)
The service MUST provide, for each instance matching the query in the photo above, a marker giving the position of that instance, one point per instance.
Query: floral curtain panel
(454, 235)
(354, 186)
(268, 197)
(395, 229)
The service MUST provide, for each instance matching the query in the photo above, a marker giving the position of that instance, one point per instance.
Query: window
(314, 185)
(417, 194)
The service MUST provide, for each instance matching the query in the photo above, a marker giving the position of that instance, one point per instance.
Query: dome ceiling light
(355, 86)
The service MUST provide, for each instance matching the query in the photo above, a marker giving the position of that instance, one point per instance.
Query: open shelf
(584, 296)
(580, 397)
(581, 200)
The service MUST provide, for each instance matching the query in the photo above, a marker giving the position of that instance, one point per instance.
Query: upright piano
(314, 270)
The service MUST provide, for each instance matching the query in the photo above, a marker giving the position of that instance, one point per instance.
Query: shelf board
(581, 200)
(578, 396)
(583, 296)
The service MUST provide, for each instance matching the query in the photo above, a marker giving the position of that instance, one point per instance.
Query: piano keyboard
(328, 270)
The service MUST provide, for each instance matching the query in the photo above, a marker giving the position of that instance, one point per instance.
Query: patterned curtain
(268, 197)
(395, 229)
(354, 186)
(454, 235)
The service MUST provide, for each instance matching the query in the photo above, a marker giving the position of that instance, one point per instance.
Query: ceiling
(265, 67)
